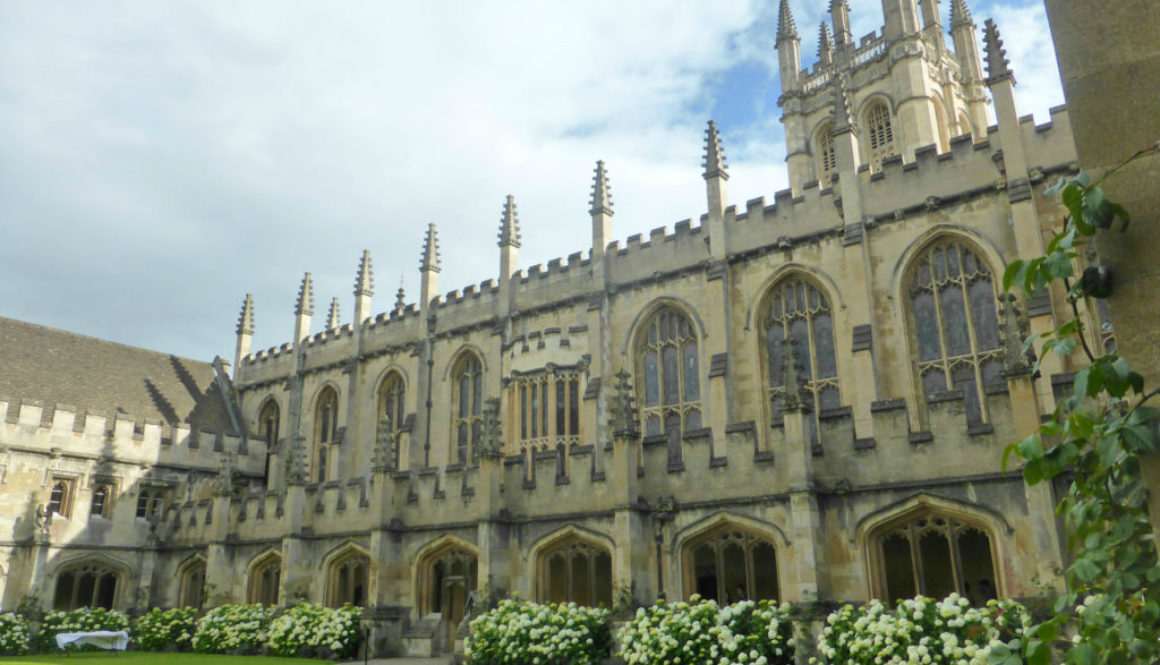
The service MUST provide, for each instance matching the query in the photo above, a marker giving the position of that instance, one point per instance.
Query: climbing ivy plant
(1110, 611)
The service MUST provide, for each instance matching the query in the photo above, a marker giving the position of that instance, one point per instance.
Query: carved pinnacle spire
(333, 319)
(997, 66)
(400, 296)
(960, 14)
(715, 166)
(509, 224)
(431, 259)
(786, 29)
(825, 43)
(305, 304)
(601, 192)
(364, 284)
(246, 318)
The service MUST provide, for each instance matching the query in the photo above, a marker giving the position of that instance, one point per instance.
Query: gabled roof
(58, 367)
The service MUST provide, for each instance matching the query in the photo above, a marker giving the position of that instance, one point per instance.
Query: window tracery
(265, 580)
(86, 585)
(956, 326)
(547, 404)
(325, 431)
(729, 564)
(268, 421)
(576, 571)
(102, 502)
(880, 132)
(934, 555)
(348, 579)
(391, 404)
(827, 156)
(669, 387)
(798, 310)
(468, 401)
(192, 587)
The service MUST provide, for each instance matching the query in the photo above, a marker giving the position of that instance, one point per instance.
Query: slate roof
(58, 367)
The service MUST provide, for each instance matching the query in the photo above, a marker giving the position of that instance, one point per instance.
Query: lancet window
(391, 404)
(827, 156)
(86, 585)
(265, 580)
(797, 310)
(934, 554)
(348, 579)
(468, 404)
(449, 576)
(325, 431)
(576, 571)
(669, 390)
(729, 564)
(60, 496)
(102, 502)
(268, 420)
(880, 134)
(952, 298)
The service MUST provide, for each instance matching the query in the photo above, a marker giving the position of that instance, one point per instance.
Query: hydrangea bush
(699, 632)
(82, 620)
(315, 630)
(233, 629)
(519, 632)
(13, 635)
(919, 631)
(166, 630)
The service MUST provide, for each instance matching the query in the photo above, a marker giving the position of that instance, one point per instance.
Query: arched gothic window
(934, 554)
(576, 571)
(150, 503)
(728, 564)
(880, 132)
(953, 314)
(391, 396)
(348, 580)
(798, 310)
(60, 496)
(86, 585)
(191, 591)
(669, 388)
(468, 400)
(102, 503)
(265, 580)
(325, 431)
(268, 421)
(827, 156)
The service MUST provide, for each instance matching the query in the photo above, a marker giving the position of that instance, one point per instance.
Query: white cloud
(159, 160)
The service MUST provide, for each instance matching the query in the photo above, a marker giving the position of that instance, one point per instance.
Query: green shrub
(314, 630)
(233, 629)
(13, 635)
(701, 632)
(82, 620)
(166, 630)
(519, 632)
(920, 630)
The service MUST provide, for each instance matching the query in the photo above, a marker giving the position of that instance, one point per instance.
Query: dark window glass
(926, 322)
(692, 380)
(824, 345)
(955, 316)
(899, 567)
(574, 407)
(561, 409)
(523, 412)
(983, 311)
(671, 375)
(651, 379)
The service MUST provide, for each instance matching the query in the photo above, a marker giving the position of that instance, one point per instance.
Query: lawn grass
(149, 658)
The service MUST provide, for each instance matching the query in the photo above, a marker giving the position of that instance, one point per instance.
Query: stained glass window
(796, 309)
(952, 298)
(671, 388)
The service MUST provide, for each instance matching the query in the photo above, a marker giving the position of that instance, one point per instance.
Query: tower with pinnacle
(906, 87)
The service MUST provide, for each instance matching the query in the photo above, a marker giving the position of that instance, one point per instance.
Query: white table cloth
(117, 640)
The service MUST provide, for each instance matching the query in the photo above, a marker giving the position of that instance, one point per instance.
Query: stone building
(800, 398)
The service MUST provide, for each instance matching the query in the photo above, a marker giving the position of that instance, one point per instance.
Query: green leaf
(1012, 274)
(1083, 654)
(1030, 448)
(1038, 653)
(1072, 196)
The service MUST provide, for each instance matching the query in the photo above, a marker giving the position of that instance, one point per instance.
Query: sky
(159, 160)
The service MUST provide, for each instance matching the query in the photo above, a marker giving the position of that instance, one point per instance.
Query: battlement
(62, 430)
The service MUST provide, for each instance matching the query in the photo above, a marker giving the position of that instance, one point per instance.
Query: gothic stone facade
(799, 398)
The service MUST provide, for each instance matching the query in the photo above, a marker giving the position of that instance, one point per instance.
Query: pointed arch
(825, 155)
(667, 361)
(349, 575)
(269, 427)
(467, 397)
(572, 564)
(647, 312)
(445, 571)
(325, 431)
(878, 129)
(728, 557)
(264, 577)
(191, 582)
(459, 355)
(89, 580)
(798, 307)
(947, 289)
(934, 545)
